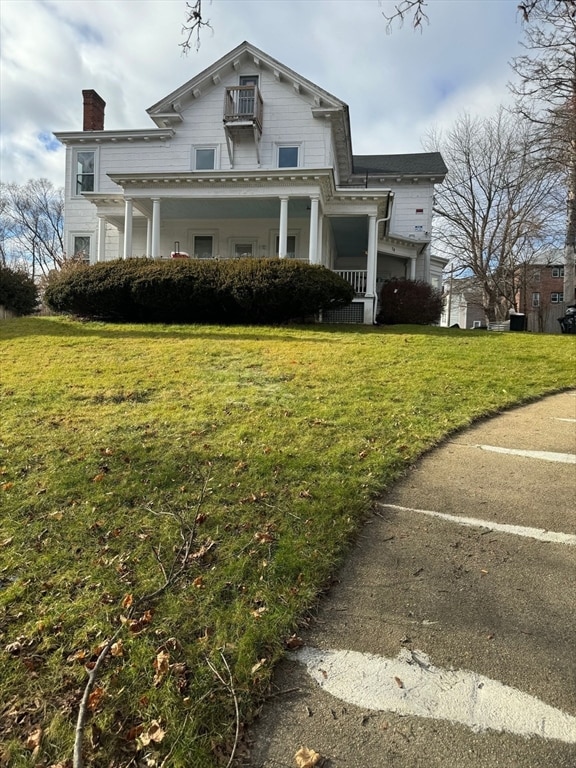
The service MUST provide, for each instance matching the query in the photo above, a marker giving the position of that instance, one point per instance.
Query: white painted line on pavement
(411, 685)
(563, 458)
(518, 530)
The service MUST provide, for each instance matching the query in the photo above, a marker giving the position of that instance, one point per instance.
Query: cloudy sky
(398, 85)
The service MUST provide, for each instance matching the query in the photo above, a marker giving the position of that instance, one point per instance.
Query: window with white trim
(85, 171)
(288, 156)
(557, 271)
(556, 298)
(204, 158)
(81, 248)
(535, 299)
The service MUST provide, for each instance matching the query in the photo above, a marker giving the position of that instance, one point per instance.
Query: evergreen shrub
(18, 292)
(412, 302)
(197, 291)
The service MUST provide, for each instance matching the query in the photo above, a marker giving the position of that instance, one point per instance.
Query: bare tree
(546, 96)
(414, 10)
(495, 211)
(31, 225)
(193, 24)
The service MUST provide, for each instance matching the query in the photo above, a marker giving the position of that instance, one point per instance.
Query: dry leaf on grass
(154, 733)
(307, 758)
(162, 666)
(33, 740)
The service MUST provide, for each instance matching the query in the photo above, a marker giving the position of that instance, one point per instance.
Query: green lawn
(261, 447)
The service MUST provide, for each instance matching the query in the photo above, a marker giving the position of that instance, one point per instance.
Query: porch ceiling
(222, 208)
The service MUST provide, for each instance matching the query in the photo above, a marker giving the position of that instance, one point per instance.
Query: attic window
(287, 157)
(204, 158)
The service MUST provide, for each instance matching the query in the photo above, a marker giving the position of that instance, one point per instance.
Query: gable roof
(167, 112)
(232, 61)
(415, 164)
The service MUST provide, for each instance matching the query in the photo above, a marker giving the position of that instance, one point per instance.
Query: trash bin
(517, 322)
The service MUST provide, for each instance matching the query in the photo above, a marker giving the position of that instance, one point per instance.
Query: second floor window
(556, 298)
(287, 157)
(205, 159)
(557, 271)
(85, 171)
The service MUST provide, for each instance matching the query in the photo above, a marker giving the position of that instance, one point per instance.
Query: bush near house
(197, 291)
(18, 292)
(409, 302)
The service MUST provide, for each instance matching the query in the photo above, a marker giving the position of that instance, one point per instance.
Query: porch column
(321, 256)
(283, 234)
(413, 268)
(371, 260)
(127, 228)
(148, 236)
(313, 247)
(155, 245)
(101, 252)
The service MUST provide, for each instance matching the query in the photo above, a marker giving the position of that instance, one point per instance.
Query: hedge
(197, 291)
(409, 301)
(18, 292)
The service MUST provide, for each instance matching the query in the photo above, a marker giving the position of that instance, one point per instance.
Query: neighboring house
(251, 159)
(463, 304)
(541, 291)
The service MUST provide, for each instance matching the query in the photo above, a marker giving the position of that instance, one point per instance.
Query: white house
(251, 159)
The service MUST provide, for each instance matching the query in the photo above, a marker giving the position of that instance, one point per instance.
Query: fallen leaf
(99, 477)
(14, 647)
(7, 486)
(294, 642)
(162, 666)
(33, 740)
(399, 682)
(95, 698)
(127, 601)
(307, 758)
(134, 732)
(117, 649)
(263, 537)
(198, 582)
(154, 733)
(258, 665)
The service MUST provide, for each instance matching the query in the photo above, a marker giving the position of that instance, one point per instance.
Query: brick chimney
(94, 106)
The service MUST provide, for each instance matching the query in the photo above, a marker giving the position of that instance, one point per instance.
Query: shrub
(197, 291)
(18, 292)
(409, 301)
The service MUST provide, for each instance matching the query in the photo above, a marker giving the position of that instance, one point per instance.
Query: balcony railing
(356, 278)
(243, 104)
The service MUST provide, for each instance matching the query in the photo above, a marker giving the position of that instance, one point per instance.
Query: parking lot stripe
(563, 458)
(517, 530)
(411, 685)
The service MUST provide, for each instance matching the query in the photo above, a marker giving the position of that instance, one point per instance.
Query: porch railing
(356, 278)
(243, 103)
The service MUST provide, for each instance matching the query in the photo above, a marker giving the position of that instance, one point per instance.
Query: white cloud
(397, 85)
